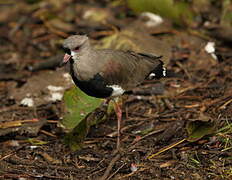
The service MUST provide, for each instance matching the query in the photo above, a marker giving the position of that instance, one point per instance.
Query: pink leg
(118, 112)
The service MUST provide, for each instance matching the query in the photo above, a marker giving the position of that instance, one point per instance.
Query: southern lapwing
(109, 73)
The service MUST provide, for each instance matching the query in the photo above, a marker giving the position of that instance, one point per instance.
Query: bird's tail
(158, 72)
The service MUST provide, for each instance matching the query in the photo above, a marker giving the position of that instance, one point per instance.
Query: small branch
(110, 166)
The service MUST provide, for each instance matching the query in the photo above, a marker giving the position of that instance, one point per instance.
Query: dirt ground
(158, 117)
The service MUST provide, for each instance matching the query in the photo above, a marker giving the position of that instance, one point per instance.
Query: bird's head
(73, 46)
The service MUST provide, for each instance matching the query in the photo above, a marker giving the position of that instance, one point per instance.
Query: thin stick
(110, 166)
(166, 148)
(115, 172)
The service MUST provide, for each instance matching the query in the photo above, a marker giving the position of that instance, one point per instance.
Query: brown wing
(127, 69)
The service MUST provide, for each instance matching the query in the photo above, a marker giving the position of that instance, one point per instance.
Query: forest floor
(156, 116)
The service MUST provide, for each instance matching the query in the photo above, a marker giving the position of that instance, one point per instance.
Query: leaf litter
(185, 124)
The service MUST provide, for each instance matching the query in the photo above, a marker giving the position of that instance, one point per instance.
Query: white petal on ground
(55, 96)
(210, 48)
(139, 97)
(133, 167)
(88, 14)
(68, 77)
(153, 19)
(214, 56)
(22, 178)
(55, 88)
(27, 102)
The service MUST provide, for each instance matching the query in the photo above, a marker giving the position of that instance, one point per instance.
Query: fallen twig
(166, 148)
(110, 166)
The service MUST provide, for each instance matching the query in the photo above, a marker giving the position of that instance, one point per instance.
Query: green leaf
(75, 138)
(226, 16)
(82, 112)
(179, 12)
(34, 141)
(199, 129)
(32, 1)
(77, 106)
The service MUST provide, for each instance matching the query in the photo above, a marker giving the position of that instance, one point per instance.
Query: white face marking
(74, 55)
(117, 90)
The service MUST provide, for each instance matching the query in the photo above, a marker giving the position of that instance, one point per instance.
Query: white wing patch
(152, 76)
(117, 90)
(164, 71)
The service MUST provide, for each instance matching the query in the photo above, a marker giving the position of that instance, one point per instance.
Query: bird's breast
(95, 86)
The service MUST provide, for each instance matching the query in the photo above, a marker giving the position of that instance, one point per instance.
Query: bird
(108, 73)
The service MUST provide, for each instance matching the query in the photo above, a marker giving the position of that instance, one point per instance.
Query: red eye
(77, 48)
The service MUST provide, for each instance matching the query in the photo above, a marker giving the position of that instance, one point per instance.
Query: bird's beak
(65, 59)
